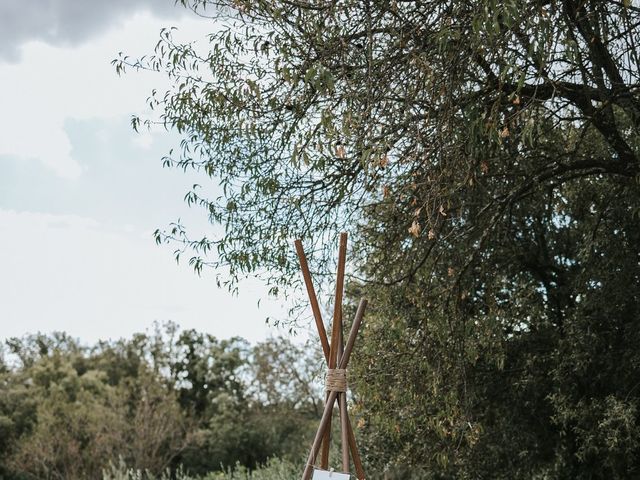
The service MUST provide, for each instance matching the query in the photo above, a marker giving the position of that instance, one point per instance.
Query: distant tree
(270, 411)
(286, 375)
(285, 395)
(76, 424)
(202, 368)
(66, 420)
(170, 399)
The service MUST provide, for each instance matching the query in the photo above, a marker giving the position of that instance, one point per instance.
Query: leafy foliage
(528, 368)
(486, 154)
(172, 398)
(308, 113)
(273, 470)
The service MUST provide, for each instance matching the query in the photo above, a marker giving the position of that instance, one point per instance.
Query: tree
(306, 113)
(486, 154)
(67, 418)
(532, 373)
(285, 396)
(270, 411)
(167, 400)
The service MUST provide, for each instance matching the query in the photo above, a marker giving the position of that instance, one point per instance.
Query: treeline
(156, 402)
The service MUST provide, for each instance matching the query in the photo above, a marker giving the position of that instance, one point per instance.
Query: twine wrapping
(336, 380)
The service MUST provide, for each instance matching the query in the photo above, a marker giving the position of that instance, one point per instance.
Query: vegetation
(434, 116)
(156, 402)
(486, 157)
(272, 470)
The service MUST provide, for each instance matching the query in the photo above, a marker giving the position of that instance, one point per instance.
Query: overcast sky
(81, 194)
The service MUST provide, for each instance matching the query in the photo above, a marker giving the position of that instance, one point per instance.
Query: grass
(274, 470)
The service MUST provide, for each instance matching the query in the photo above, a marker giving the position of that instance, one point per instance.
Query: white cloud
(65, 22)
(52, 84)
(65, 272)
(70, 272)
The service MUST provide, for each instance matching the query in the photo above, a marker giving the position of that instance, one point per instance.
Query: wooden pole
(322, 333)
(336, 328)
(328, 407)
(326, 420)
(351, 341)
(355, 328)
(357, 461)
(344, 419)
(315, 308)
(337, 306)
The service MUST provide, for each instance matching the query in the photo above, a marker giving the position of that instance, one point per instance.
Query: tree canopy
(486, 156)
(166, 400)
(310, 114)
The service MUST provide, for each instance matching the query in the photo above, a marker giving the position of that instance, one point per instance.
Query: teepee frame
(337, 356)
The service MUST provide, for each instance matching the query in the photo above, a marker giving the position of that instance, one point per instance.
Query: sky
(81, 193)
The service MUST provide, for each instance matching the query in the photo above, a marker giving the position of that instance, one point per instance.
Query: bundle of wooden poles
(337, 355)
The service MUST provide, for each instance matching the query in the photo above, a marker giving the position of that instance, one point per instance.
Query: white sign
(324, 475)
